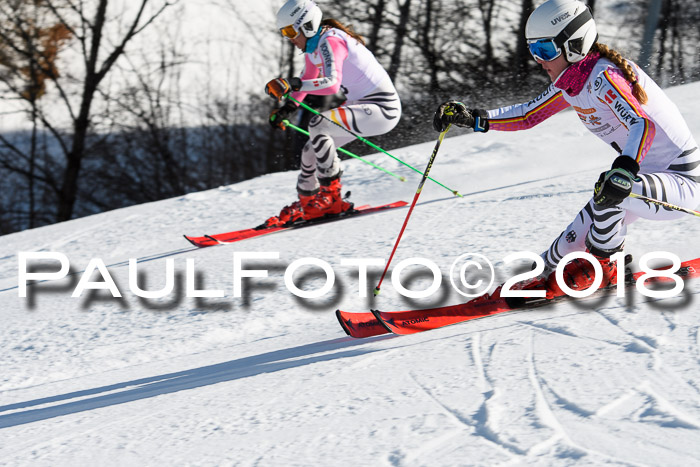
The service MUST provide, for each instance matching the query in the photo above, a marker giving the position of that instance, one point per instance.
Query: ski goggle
(544, 49)
(289, 32)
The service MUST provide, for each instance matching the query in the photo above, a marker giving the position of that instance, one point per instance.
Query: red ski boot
(580, 275)
(287, 216)
(328, 201)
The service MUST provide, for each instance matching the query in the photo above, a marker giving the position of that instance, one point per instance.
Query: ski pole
(345, 151)
(665, 204)
(413, 204)
(371, 144)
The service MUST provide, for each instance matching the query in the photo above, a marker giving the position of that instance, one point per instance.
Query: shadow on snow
(144, 388)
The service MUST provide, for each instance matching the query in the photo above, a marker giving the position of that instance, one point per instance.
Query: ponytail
(626, 68)
(334, 23)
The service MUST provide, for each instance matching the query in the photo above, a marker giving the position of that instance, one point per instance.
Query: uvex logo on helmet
(301, 20)
(560, 18)
(295, 11)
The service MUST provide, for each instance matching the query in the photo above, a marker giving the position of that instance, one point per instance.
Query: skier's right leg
(602, 231)
(318, 183)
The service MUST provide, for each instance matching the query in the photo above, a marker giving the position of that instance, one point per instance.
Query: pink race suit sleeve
(524, 116)
(333, 52)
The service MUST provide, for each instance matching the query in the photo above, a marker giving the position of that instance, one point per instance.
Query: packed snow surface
(271, 379)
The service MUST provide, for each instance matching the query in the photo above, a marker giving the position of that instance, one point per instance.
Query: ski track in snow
(270, 380)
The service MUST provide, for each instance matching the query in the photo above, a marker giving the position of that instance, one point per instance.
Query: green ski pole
(371, 144)
(345, 151)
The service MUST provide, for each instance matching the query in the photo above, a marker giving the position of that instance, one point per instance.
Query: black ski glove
(278, 116)
(453, 112)
(615, 185)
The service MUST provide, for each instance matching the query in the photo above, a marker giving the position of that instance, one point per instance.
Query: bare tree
(401, 32)
(98, 47)
(28, 56)
(375, 25)
(427, 46)
(486, 7)
(521, 55)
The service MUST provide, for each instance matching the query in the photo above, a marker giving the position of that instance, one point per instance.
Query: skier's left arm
(333, 51)
(310, 72)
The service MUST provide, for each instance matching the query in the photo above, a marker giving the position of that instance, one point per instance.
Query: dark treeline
(112, 148)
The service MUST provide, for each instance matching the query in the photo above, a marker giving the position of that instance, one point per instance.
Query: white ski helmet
(303, 15)
(568, 23)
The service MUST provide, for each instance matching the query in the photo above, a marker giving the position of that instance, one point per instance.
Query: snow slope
(271, 379)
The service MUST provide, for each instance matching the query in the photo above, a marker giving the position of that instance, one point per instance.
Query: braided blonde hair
(626, 68)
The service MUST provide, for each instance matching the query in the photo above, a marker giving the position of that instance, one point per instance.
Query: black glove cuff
(294, 83)
(627, 163)
(289, 107)
(481, 120)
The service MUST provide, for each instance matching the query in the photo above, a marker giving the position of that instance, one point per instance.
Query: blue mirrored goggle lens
(544, 49)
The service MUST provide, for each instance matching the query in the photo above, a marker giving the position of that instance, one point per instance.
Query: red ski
(238, 235)
(413, 321)
(360, 324)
